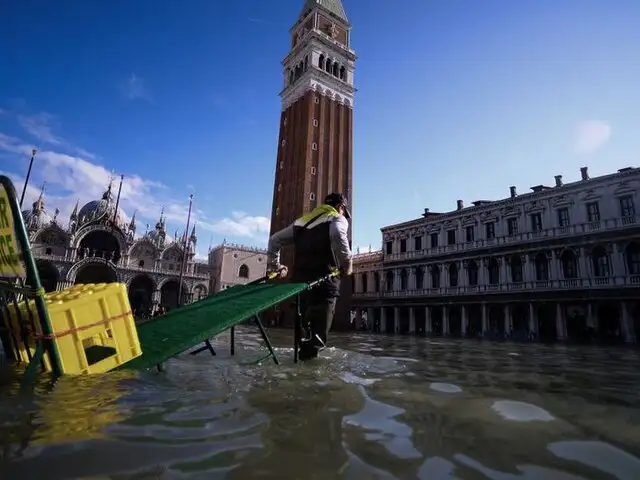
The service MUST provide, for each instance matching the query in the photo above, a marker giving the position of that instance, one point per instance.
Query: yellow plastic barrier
(93, 327)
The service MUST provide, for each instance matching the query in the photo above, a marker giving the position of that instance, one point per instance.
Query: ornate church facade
(97, 245)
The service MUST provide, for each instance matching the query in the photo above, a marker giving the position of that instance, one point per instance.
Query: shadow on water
(373, 407)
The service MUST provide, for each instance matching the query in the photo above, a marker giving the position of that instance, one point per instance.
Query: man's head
(339, 202)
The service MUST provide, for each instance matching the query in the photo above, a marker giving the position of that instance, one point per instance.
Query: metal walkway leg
(297, 330)
(207, 346)
(263, 332)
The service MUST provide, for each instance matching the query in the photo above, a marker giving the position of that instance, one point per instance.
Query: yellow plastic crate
(93, 327)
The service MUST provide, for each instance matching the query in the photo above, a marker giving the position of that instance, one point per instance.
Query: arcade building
(555, 263)
(97, 245)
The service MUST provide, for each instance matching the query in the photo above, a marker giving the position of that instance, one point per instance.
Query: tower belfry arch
(315, 143)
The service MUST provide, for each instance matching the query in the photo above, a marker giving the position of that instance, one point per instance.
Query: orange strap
(79, 329)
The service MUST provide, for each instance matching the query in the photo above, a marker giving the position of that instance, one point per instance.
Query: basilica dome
(101, 210)
(36, 220)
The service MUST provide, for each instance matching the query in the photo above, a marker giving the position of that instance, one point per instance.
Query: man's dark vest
(313, 256)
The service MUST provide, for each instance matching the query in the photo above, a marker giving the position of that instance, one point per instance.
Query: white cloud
(134, 87)
(70, 177)
(590, 136)
(241, 225)
(40, 126)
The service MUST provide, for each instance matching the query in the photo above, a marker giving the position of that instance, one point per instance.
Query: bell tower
(315, 144)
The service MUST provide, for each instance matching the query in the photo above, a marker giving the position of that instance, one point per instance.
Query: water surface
(374, 407)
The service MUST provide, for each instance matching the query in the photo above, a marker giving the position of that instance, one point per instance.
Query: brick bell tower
(315, 144)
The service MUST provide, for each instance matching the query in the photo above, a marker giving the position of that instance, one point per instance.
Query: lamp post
(184, 252)
(26, 180)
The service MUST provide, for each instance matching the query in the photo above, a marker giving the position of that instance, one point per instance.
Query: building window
(314, 146)
(470, 233)
(434, 240)
(593, 212)
(312, 196)
(419, 274)
(453, 275)
(277, 211)
(389, 281)
(435, 276)
(141, 263)
(472, 273)
(494, 271)
(627, 207)
(563, 217)
(542, 267)
(417, 243)
(403, 245)
(376, 282)
(632, 254)
(315, 122)
(243, 271)
(389, 247)
(451, 237)
(281, 164)
(600, 261)
(48, 251)
(536, 222)
(512, 226)
(569, 265)
(515, 266)
(404, 283)
(316, 100)
(313, 170)
(282, 143)
(279, 187)
(490, 230)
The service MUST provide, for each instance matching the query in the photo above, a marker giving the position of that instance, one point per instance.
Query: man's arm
(339, 235)
(278, 240)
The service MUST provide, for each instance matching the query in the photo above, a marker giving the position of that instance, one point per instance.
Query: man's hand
(279, 272)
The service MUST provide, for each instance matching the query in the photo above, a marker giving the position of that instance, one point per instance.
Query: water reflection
(374, 407)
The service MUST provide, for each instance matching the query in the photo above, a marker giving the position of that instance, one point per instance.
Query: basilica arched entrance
(169, 294)
(141, 291)
(100, 244)
(95, 273)
(48, 274)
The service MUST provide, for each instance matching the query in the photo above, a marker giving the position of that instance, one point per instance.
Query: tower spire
(334, 7)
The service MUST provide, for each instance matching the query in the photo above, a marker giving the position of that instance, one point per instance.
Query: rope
(82, 328)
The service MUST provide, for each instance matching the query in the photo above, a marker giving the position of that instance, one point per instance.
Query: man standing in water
(321, 244)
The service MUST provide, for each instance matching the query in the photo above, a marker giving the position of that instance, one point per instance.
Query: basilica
(97, 245)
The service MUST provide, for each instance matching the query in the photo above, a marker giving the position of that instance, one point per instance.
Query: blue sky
(457, 100)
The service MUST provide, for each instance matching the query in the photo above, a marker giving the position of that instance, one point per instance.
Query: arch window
(365, 286)
(141, 263)
(343, 73)
(243, 271)
(321, 61)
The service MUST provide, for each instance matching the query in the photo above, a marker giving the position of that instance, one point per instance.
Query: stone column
(445, 320)
(626, 324)
(463, 320)
(485, 321)
(383, 319)
(560, 322)
(358, 318)
(507, 321)
(584, 264)
(427, 320)
(617, 262)
(396, 320)
(370, 319)
(533, 322)
(412, 321)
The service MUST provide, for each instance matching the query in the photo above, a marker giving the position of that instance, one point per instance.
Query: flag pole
(184, 252)
(26, 180)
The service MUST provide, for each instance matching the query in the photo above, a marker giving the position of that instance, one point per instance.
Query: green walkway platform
(164, 337)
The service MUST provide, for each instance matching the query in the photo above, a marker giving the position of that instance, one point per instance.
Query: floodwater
(374, 407)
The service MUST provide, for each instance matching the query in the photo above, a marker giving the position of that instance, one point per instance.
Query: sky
(457, 99)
